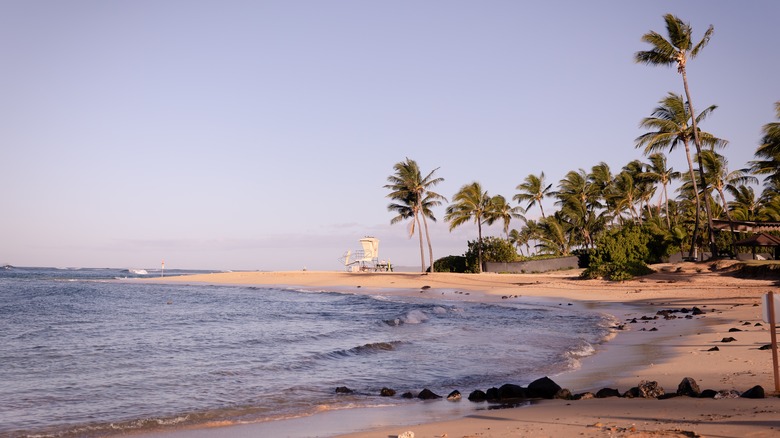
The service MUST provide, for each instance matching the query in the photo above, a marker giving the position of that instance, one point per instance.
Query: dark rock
(543, 388)
(477, 395)
(728, 339)
(509, 391)
(426, 287)
(733, 329)
(754, 392)
(765, 347)
(427, 394)
(343, 390)
(607, 392)
(492, 394)
(708, 393)
(654, 329)
(564, 394)
(667, 396)
(714, 349)
(632, 393)
(633, 321)
(407, 394)
(746, 323)
(758, 324)
(387, 392)
(454, 396)
(688, 387)
(648, 389)
(697, 311)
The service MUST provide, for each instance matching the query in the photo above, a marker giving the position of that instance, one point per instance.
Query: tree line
(593, 202)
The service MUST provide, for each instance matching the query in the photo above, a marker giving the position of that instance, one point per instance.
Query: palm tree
(769, 151)
(716, 167)
(414, 199)
(533, 190)
(744, 205)
(470, 203)
(501, 210)
(555, 235)
(669, 128)
(579, 199)
(625, 194)
(657, 172)
(677, 50)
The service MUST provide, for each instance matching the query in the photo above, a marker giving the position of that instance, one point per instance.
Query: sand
(661, 350)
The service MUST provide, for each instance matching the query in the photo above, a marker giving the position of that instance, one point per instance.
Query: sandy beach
(647, 347)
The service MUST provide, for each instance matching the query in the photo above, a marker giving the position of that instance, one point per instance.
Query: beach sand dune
(664, 348)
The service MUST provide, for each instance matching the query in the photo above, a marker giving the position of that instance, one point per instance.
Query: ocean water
(85, 354)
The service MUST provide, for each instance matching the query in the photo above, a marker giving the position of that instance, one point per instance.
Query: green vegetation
(618, 219)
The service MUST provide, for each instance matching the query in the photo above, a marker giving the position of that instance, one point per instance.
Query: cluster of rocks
(546, 388)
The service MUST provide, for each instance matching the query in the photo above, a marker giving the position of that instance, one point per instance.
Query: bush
(450, 264)
(622, 254)
(494, 249)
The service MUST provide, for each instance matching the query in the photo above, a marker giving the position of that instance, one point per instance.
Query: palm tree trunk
(728, 216)
(428, 238)
(422, 252)
(696, 199)
(479, 244)
(666, 200)
(697, 143)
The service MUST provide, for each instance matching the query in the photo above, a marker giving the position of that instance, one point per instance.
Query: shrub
(494, 249)
(451, 263)
(622, 254)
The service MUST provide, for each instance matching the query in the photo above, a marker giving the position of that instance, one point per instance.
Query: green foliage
(494, 249)
(451, 264)
(624, 253)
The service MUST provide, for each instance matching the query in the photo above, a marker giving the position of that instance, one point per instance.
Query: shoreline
(675, 350)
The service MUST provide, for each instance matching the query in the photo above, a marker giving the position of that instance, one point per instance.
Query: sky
(258, 135)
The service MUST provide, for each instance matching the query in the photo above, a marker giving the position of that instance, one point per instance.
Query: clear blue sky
(259, 134)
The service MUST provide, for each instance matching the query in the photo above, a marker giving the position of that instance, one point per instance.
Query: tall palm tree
(471, 203)
(677, 50)
(503, 211)
(769, 151)
(533, 190)
(414, 199)
(657, 172)
(668, 128)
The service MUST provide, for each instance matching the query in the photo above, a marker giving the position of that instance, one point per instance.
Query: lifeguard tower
(366, 258)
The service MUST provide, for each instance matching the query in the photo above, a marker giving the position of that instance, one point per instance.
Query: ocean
(93, 352)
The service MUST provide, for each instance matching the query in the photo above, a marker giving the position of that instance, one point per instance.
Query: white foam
(415, 317)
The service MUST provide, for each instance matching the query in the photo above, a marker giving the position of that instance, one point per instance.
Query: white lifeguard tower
(366, 258)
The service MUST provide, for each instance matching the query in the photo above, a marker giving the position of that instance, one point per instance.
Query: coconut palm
(716, 168)
(625, 194)
(769, 151)
(657, 172)
(414, 199)
(579, 199)
(555, 236)
(471, 203)
(668, 128)
(677, 50)
(744, 206)
(503, 211)
(533, 190)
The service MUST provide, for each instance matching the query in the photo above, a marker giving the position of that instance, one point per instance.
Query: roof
(746, 226)
(761, 239)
